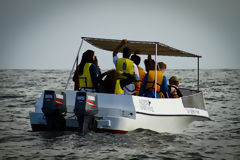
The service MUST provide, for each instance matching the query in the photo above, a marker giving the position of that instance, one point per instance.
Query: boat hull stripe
(171, 115)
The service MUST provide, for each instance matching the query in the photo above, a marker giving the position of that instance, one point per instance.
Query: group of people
(128, 77)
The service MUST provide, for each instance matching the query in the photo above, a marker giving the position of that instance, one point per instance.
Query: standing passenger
(125, 65)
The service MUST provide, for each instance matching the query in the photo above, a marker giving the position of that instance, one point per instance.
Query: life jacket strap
(177, 89)
(133, 91)
(153, 86)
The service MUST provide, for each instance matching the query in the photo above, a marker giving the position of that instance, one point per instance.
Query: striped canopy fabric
(144, 47)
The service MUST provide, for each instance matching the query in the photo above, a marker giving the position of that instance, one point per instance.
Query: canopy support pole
(75, 62)
(156, 70)
(198, 73)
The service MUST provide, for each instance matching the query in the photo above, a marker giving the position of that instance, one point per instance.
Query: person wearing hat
(173, 87)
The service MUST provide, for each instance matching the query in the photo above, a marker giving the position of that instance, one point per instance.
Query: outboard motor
(54, 111)
(85, 109)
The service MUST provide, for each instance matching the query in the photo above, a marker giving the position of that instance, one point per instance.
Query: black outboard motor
(85, 109)
(54, 111)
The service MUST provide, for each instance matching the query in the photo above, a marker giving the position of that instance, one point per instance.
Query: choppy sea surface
(215, 139)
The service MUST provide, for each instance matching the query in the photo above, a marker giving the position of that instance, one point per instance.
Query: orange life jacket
(151, 80)
(141, 77)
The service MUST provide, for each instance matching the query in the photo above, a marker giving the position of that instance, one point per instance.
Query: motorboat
(70, 110)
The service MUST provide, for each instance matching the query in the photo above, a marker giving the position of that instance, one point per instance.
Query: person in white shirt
(126, 66)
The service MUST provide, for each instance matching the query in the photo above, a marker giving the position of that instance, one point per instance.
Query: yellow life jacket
(161, 95)
(151, 80)
(141, 77)
(118, 88)
(85, 80)
(125, 65)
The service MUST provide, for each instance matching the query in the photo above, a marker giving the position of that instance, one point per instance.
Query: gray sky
(46, 34)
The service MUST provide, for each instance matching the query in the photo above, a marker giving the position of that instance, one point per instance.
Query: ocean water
(215, 139)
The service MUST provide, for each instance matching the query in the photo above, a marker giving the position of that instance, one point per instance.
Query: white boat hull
(170, 124)
(124, 113)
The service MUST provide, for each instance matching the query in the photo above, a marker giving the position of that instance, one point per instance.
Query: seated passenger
(125, 65)
(174, 92)
(148, 62)
(136, 59)
(96, 64)
(87, 73)
(112, 83)
(148, 86)
(164, 86)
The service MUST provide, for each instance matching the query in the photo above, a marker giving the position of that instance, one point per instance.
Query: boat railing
(192, 99)
(188, 92)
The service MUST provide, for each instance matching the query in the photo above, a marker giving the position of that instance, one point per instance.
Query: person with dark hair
(136, 59)
(87, 73)
(125, 65)
(164, 86)
(96, 64)
(173, 87)
(148, 86)
(148, 62)
(111, 83)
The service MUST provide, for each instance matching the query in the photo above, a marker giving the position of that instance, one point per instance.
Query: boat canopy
(144, 47)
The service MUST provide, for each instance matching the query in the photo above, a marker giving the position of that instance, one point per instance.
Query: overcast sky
(46, 34)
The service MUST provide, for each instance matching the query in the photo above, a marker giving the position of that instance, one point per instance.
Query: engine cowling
(85, 109)
(54, 111)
